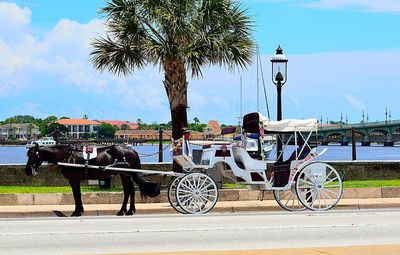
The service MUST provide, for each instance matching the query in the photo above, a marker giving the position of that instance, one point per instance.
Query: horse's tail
(146, 188)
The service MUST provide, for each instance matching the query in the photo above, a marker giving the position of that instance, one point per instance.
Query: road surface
(211, 232)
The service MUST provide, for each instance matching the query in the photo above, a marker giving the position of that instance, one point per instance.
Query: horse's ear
(36, 145)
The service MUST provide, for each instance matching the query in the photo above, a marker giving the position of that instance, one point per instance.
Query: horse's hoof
(129, 213)
(76, 214)
(120, 213)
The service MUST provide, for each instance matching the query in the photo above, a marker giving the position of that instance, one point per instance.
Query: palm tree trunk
(176, 87)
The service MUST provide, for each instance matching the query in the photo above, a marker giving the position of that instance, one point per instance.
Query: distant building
(213, 129)
(119, 123)
(77, 127)
(24, 131)
(152, 135)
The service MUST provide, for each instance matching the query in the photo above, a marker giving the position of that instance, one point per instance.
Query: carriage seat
(244, 161)
(281, 170)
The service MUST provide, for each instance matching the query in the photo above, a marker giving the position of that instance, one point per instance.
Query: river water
(17, 154)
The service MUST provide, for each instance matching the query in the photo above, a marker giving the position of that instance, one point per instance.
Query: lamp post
(160, 142)
(279, 77)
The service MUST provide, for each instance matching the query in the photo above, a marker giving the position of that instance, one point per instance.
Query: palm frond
(200, 32)
(117, 57)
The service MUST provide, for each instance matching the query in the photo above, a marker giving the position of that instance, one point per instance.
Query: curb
(224, 195)
(165, 208)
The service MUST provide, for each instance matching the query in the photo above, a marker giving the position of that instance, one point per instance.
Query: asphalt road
(160, 233)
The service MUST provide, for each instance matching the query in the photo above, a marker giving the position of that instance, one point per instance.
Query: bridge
(384, 132)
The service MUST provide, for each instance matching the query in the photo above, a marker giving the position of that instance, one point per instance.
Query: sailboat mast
(258, 90)
(241, 97)
(241, 100)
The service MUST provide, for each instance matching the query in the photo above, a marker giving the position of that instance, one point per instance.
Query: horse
(115, 155)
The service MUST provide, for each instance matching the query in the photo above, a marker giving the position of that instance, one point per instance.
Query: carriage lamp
(279, 77)
(279, 67)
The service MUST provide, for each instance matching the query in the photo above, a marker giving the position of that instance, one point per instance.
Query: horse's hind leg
(125, 185)
(132, 208)
(76, 191)
(129, 190)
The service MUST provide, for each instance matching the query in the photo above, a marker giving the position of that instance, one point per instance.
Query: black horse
(116, 155)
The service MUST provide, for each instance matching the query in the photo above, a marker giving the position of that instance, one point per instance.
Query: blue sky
(344, 57)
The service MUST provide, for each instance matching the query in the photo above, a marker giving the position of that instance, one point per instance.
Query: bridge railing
(360, 125)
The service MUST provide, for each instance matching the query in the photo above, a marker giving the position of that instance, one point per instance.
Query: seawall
(14, 174)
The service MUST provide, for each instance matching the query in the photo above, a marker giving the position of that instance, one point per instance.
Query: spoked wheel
(172, 195)
(319, 186)
(288, 200)
(196, 193)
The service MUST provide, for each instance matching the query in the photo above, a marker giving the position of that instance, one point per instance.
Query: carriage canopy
(253, 121)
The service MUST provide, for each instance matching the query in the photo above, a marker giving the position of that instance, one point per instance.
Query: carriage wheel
(196, 193)
(172, 195)
(288, 200)
(319, 186)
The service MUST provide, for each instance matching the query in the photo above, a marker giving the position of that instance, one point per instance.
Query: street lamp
(279, 77)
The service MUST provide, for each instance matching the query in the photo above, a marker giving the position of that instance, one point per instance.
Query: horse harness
(90, 152)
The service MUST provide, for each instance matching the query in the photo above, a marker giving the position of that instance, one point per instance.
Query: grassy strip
(67, 189)
(371, 183)
(64, 189)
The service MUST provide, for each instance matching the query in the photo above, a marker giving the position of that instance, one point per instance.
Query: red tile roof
(77, 122)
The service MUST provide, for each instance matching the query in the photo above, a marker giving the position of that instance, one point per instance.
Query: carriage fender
(312, 164)
(222, 169)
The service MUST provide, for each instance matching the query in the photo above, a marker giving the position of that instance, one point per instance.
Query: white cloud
(62, 55)
(31, 108)
(62, 52)
(355, 102)
(11, 14)
(365, 5)
(73, 37)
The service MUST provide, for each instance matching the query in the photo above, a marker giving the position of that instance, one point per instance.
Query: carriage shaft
(109, 168)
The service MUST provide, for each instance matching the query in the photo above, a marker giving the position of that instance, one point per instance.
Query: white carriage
(298, 183)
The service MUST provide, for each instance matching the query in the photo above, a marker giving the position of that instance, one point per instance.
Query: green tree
(106, 130)
(50, 119)
(20, 119)
(197, 127)
(178, 36)
(140, 124)
(52, 127)
(196, 120)
(124, 127)
(86, 135)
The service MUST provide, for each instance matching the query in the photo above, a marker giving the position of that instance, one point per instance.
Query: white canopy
(290, 125)
(252, 122)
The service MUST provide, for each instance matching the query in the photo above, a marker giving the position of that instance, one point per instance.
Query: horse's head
(34, 161)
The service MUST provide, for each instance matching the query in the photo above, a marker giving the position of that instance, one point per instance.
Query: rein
(152, 154)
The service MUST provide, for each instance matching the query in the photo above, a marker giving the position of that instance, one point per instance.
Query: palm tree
(196, 120)
(176, 35)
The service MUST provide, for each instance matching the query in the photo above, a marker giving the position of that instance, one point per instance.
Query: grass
(63, 189)
(371, 183)
(67, 189)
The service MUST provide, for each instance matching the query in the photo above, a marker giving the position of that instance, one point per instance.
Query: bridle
(35, 164)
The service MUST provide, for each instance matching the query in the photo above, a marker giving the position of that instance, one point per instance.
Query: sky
(344, 59)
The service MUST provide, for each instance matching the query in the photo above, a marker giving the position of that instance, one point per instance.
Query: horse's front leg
(125, 185)
(76, 191)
